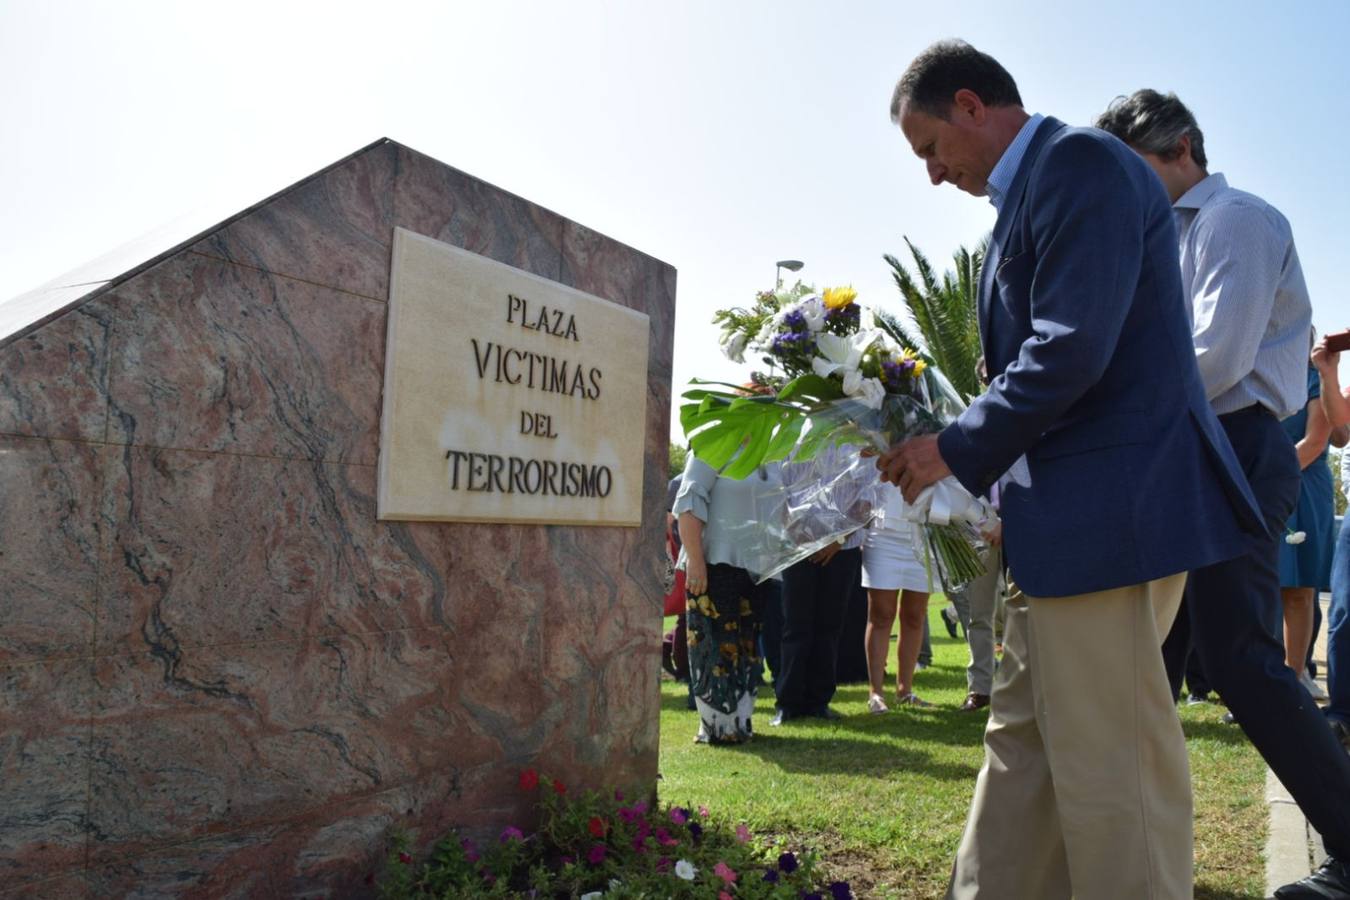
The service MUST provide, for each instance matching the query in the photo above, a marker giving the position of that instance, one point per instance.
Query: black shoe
(826, 713)
(1330, 882)
(1342, 732)
(950, 618)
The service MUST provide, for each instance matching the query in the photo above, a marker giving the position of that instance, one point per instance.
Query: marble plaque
(507, 397)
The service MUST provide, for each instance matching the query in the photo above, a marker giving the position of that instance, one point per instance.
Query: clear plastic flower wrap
(831, 487)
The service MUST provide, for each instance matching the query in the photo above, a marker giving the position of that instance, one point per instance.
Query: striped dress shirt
(1250, 313)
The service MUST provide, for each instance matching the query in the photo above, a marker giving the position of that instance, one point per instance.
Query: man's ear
(967, 104)
(1183, 150)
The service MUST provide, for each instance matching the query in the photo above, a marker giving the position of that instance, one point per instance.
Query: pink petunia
(742, 833)
(703, 811)
(724, 872)
(723, 895)
(664, 839)
(678, 816)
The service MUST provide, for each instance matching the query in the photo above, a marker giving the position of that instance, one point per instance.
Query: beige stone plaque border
(441, 394)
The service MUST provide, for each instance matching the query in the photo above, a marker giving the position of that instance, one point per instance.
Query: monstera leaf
(735, 433)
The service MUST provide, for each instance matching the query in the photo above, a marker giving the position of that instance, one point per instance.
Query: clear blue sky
(717, 136)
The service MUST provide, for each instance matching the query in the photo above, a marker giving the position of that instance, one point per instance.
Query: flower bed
(595, 846)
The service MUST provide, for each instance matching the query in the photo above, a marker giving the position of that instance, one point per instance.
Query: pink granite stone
(331, 229)
(331, 851)
(54, 381)
(203, 741)
(442, 202)
(212, 356)
(49, 550)
(210, 549)
(44, 769)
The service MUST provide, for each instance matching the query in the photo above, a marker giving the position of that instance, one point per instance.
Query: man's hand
(825, 554)
(994, 536)
(913, 465)
(1323, 359)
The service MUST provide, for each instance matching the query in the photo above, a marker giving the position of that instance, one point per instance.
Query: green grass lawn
(884, 798)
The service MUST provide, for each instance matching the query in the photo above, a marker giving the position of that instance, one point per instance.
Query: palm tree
(945, 313)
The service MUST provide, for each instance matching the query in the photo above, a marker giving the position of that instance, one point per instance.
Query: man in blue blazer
(1115, 480)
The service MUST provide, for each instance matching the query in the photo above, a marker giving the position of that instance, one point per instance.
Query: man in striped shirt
(1251, 321)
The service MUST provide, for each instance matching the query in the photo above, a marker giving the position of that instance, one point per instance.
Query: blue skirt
(1309, 564)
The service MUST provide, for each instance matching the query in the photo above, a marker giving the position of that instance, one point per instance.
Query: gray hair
(933, 78)
(1154, 123)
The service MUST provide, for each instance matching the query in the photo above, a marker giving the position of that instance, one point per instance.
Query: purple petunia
(511, 833)
(787, 862)
(596, 855)
(695, 830)
(771, 876)
(839, 890)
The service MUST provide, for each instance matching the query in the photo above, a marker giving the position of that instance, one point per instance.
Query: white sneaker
(876, 705)
(1313, 688)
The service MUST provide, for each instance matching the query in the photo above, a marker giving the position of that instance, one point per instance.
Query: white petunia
(853, 380)
(685, 869)
(1295, 537)
(813, 311)
(733, 346)
(873, 393)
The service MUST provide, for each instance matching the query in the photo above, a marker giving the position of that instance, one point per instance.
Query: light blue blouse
(730, 509)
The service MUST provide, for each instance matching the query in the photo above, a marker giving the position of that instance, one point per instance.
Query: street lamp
(792, 265)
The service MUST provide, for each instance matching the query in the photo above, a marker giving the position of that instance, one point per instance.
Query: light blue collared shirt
(1250, 313)
(1001, 179)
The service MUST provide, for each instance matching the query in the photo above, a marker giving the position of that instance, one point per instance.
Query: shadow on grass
(827, 752)
(1214, 731)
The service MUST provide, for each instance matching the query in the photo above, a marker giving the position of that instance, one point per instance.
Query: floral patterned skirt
(723, 655)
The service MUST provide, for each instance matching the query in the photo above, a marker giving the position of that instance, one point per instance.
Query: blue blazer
(1128, 474)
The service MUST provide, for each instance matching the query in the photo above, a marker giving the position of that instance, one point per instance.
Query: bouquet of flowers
(840, 387)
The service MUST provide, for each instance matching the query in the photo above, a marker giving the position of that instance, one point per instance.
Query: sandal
(912, 699)
(876, 705)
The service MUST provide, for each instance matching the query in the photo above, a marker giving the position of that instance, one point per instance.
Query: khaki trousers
(1085, 790)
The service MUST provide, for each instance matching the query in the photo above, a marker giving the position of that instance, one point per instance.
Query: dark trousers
(815, 601)
(767, 600)
(1236, 618)
(1178, 655)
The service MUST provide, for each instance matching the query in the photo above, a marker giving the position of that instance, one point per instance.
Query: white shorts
(890, 561)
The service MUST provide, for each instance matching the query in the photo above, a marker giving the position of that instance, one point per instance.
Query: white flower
(873, 392)
(839, 354)
(853, 382)
(685, 869)
(614, 883)
(733, 345)
(1295, 537)
(813, 311)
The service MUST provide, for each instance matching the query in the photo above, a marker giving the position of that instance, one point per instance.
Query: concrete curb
(1293, 847)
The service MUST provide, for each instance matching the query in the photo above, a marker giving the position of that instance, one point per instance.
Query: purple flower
(812, 896)
(678, 815)
(618, 796)
(596, 855)
(839, 890)
(795, 320)
(771, 876)
(787, 862)
(695, 830)
(511, 833)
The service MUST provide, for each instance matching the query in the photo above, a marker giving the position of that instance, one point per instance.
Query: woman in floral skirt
(718, 518)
